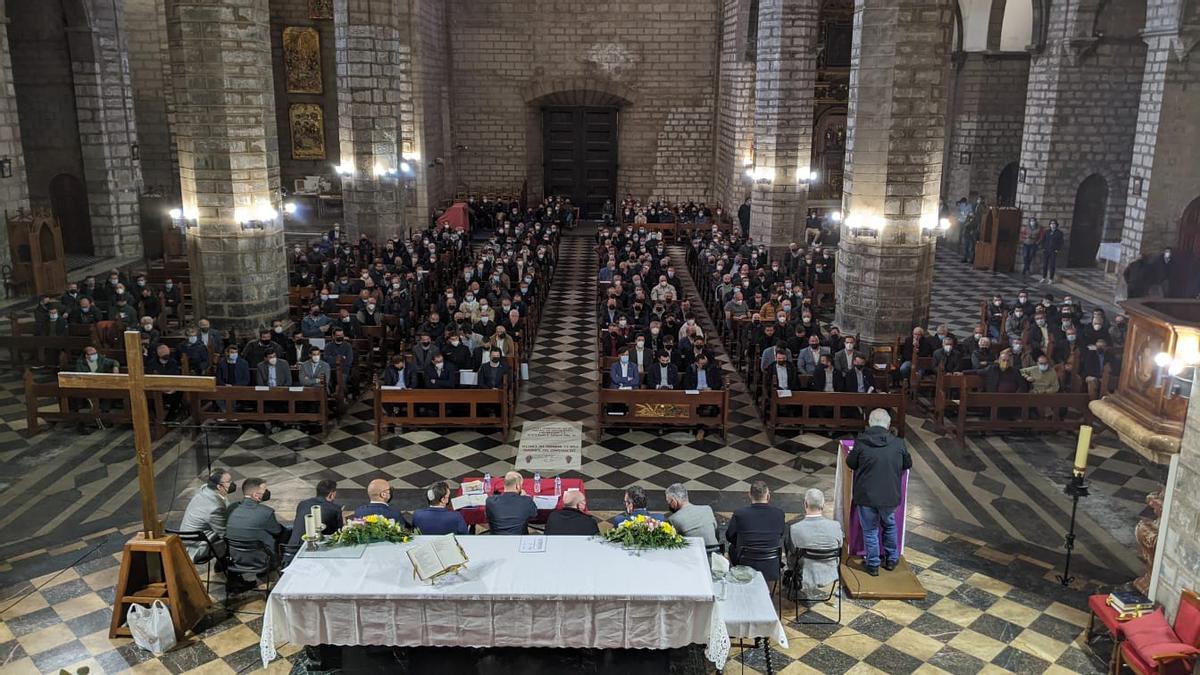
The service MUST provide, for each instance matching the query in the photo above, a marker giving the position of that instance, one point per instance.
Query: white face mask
(316, 359)
(1043, 367)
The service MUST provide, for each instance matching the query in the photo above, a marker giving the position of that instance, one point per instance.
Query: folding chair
(797, 587)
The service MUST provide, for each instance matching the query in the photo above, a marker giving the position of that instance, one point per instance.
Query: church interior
(739, 185)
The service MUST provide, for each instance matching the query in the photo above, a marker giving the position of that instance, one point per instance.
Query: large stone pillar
(107, 132)
(784, 83)
(1179, 546)
(897, 116)
(14, 190)
(229, 159)
(374, 80)
(735, 107)
(1165, 176)
(153, 96)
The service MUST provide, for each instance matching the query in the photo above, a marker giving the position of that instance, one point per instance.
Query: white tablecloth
(748, 612)
(580, 593)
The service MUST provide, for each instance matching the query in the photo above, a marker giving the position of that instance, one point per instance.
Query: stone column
(735, 107)
(1180, 566)
(104, 102)
(374, 81)
(897, 117)
(229, 159)
(153, 96)
(14, 191)
(1165, 163)
(785, 78)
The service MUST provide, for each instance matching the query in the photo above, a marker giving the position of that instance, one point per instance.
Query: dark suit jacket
(654, 376)
(447, 380)
(251, 521)
(509, 513)
(283, 374)
(848, 381)
(493, 378)
(793, 379)
(153, 367)
(233, 373)
(757, 525)
(391, 377)
(331, 517)
(385, 510)
(1091, 365)
(571, 521)
(906, 348)
(713, 374)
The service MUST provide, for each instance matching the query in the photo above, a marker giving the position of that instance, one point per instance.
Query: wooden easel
(154, 566)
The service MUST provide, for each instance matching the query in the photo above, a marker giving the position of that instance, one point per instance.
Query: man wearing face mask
(859, 379)
(314, 370)
(1041, 377)
(1052, 243)
(340, 347)
(208, 512)
(380, 495)
(843, 360)
(493, 371)
(1031, 236)
(949, 358)
(195, 351)
(624, 374)
(251, 521)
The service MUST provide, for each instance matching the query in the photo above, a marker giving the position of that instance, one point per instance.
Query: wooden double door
(579, 151)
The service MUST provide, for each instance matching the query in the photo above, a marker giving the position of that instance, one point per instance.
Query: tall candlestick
(315, 511)
(1081, 450)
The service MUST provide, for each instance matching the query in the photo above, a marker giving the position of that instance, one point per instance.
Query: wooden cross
(137, 383)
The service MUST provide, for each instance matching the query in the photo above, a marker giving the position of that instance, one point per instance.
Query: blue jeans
(906, 370)
(872, 520)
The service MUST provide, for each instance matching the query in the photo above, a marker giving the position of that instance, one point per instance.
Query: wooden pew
(843, 411)
(661, 408)
(92, 413)
(434, 405)
(260, 396)
(54, 351)
(1055, 412)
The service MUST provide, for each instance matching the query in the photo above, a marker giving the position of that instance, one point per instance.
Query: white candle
(315, 511)
(310, 526)
(1081, 450)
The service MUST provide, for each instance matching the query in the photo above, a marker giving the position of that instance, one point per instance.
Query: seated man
(691, 520)
(493, 372)
(663, 374)
(208, 512)
(858, 380)
(510, 511)
(438, 518)
(380, 494)
(331, 512)
(759, 526)
(251, 521)
(911, 350)
(624, 373)
(315, 370)
(635, 505)
(573, 517)
(814, 532)
(441, 375)
(1041, 377)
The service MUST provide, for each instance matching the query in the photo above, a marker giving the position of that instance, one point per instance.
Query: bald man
(572, 518)
(510, 511)
(380, 494)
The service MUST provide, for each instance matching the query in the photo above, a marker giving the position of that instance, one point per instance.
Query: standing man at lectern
(878, 460)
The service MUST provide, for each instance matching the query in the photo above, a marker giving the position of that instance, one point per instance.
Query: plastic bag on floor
(152, 627)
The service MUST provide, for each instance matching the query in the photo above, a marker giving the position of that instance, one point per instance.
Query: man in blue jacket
(624, 372)
(438, 518)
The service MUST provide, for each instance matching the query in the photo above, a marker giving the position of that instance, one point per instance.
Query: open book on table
(434, 556)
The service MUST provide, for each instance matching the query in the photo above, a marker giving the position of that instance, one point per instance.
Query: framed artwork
(320, 9)
(302, 60)
(307, 121)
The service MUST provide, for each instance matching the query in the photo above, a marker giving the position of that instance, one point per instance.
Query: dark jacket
(153, 366)
(654, 376)
(251, 521)
(992, 376)
(392, 377)
(572, 521)
(437, 520)
(233, 373)
(447, 380)
(712, 373)
(1052, 240)
(848, 381)
(509, 513)
(793, 379)
(493, 378)
(757, 525)
(373, 508)
(878, 460)
(925, 348)
(331, 517)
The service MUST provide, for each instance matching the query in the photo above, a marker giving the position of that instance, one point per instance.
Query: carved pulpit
(35, 240)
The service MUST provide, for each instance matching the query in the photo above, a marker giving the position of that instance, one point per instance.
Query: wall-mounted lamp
(1021, 175)
(865, 226)
(1177, 372)
(290, 208)
(761, 174)
(930, 221)
(6, 167)
(182, 219)
(255, 218)
(964, 158)
(1138, 186)
(134, 152)
(811, 176)
(344, 170)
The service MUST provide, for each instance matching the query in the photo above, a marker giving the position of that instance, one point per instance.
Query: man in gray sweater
(691, 520)
(815, 532)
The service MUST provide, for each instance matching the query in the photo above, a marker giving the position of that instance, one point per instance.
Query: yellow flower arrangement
(644, 533)
(371, 529)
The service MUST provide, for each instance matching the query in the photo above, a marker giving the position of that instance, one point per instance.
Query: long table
(580, 593)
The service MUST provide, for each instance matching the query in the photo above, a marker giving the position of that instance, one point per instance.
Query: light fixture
(176, 214)
(750, 173)
(405, 167)
(1138, 186)
(836, 216)
(813, 175)
(1177, 373)
(289, 208)
(182, 218)
(256, 217)
(944, 223)
(1021, 175)
(411, 156)
(344, 169)
(6, 167)
(1162, 359)
(762, 174)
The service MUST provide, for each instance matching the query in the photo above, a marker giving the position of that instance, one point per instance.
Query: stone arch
(1087, 221)
(77, 14)
(1041, 21)
(957, 38)
(1006, 185)
(584, 91)
(68, 199)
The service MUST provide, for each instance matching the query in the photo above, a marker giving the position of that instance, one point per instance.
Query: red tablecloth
(475, 515)
(456, 216)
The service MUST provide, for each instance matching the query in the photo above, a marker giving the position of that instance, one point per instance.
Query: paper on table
(319, 343)
(466, 501)
(545, 502)
(784, 393)
(260, 388)
(466, 377)
(295, 388)
(533, 544)
(692, 392)
(472, 487)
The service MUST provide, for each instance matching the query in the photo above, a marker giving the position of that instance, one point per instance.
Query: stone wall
(14, 192)
(659, 56)
(987, 118)
(1081, 111)
(1179, 536)
(153, 96)
(285, 13)
(432, 150)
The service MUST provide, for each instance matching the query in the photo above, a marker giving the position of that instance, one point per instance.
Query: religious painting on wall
(302, 60)
(308, 130)
(320, 9)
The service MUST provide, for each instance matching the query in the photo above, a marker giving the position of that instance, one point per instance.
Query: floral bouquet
(371, 529)
(645, 533)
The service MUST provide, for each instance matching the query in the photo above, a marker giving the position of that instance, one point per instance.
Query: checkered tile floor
(70, 496)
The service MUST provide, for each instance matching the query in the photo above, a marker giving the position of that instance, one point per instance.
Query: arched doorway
(1006, 186)
(69, 202)
(1187, 250)
(1087, 221)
